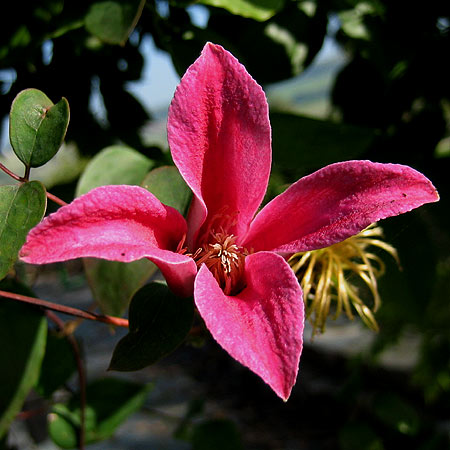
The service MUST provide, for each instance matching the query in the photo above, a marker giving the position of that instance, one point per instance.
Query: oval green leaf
(218, 434)
(109, 403)
(58, 365)
(22, 206)
(37, 127)
(23, 331)
(168, 186)
(159, 322)
(113, 283)
(260, 10)
(113, 21)
(317, 142)
(114, 165)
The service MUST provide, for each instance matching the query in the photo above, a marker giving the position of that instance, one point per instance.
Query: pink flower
(229, 256)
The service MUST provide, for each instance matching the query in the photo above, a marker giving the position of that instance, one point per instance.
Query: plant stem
(81, 376)
(26, 177)
(56, 199)
(24, 415)
(117, 321)
(11, 174)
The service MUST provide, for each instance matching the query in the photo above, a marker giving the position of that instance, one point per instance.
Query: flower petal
(335, 203)
(220, 139)
(120, 223)
(262, 326)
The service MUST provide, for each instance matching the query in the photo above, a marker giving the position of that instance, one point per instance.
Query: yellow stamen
(325, 277)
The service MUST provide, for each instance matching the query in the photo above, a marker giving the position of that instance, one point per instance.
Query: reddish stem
(24, 415)
(117, 321)
(81, 375)
(25, 178)
(11, 174)
(56, 199)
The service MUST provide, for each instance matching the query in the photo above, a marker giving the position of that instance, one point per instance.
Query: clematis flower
(231, 257)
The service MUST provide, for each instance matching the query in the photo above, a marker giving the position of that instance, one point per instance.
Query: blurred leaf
(159, 322)
(168, 186)
(113, 283)
(442, 149)
(114, 165)
(194, 408)
(432, 372)
(357, 436)
(22, 206)
(217, 435)
(37, 127)
(311, 143)
(125, 113)
(352, 20)
(254, 9)
(109, 403)
(406, 291)
(113, 21)
(396, 413)
(287, 42)
(58, 365)
(23, 331)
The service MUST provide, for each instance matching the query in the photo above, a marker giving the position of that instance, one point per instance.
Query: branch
(11, 174)
(25, 178)
(56, 199)
(81, 375)
(117, 321)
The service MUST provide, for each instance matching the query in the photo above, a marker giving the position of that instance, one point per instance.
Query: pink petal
(335, 203)
(120, 223)
(220, 139)
(262, 326)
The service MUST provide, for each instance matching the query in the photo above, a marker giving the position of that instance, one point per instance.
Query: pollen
(342, 276)
(225, 259)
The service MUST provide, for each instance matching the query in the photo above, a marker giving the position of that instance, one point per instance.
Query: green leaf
(22, 206)
(37, 127)
(114, 165)
(396, 413)
(217, 435)
(58, 365)
(287, 42)
(352, 20)
(23, 331)
(253, 9)
(114, 283)
(109, 403)
(316, 142)
(113, 21)
(356, 436)
(168, 186)
(159, 322)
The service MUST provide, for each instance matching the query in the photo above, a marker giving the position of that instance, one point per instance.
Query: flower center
(225, 259)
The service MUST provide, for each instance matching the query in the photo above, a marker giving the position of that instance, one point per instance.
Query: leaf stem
(56, 199)
(11, 174)
(117, 321)
(26, 177)
(81, 376)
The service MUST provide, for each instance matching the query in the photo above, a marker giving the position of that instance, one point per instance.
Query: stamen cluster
(225, 259)
(334, 275)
